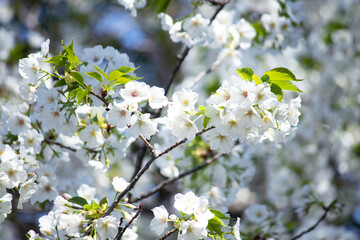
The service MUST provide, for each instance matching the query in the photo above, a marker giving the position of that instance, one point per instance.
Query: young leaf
(217, 221)
(162, 6)
(77, 77)
(60, 83)
(215, 229)
(80, 95)
(78, 200)
(126, 69)
(206, 121)
(103, 201)
(94, 75)
(281, 74)
(286, 85)
(256, 79)
(101, 72)
(245, 73)
(219, 214)
(125, 79)
(277, 91)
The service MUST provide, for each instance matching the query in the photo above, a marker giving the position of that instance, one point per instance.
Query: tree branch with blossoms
(122, 231)
(145, 168)
(174, 179)
(168, 234)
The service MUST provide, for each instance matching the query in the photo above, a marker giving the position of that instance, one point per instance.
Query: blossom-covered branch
(168, 181)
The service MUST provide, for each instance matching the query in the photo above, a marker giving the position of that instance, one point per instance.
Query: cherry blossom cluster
(231, 31)
(243, 110)
(71, 216)
(196, 220)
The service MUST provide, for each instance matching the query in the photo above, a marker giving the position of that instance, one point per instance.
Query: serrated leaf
(286, 85)
(277, 91)
(78, 200)
(219, 214)
(94, 75)
(162, 6)
(101, 72)
(60, 83)
(77, 77)
(245, 73)
(80, 95)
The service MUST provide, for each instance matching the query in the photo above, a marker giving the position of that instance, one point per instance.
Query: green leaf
(74, 61)
(101, 72)
(214, 228)
(72, 93)
(60, 83)
(125, 79)
(219, 214)
(162, 6)
(217, 221)
(69, 50)
(205, 121)
(277, 91)
(77, 77)
(202, 108)
(55, 60)
(103, 201)
(281, 74)
(245, 73)
(78, 200)
(285, 85)
(126, 69)
(256, 79)
(94, 75)
(265, 78)
(80, 95)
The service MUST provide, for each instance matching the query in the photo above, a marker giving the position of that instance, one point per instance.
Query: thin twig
(120, 233)
(144, 169)
(149, 146)
(327, 209)
(98, 96)
(201, 75)
(168, 234)
(49, 141)
(171, 180)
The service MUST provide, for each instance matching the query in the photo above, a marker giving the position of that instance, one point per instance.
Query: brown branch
(168, 234)
(98, 96)
(326, 209)
(52, 142)
(149, 146)
(144, 169)
(171, 180)
(120, 233)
